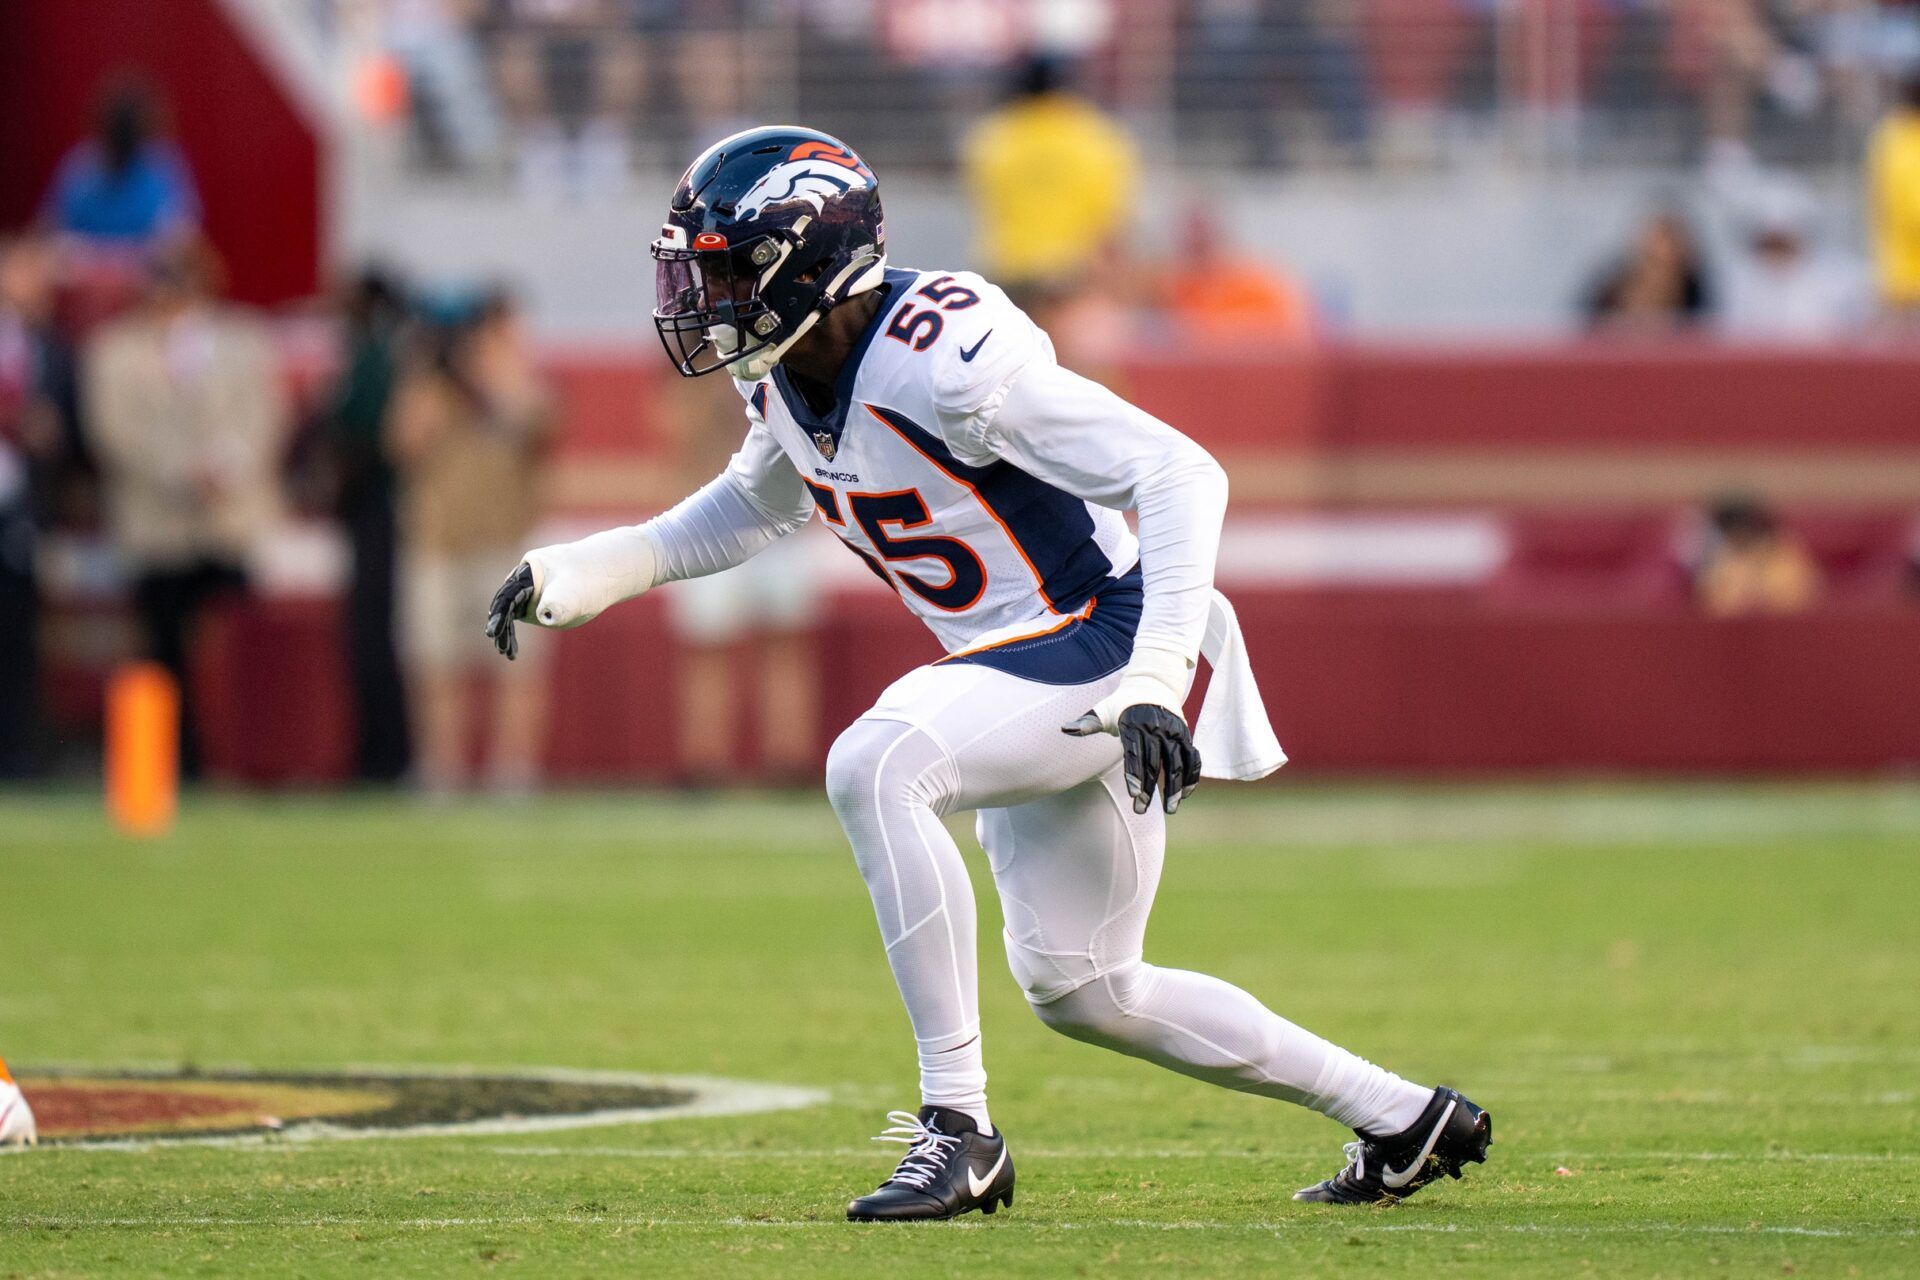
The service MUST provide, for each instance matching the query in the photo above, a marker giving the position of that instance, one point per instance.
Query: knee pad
(1091, 1012)
(857, 758)
(1045, 977)
(852, 763)
(874, 763)
(1068, 994)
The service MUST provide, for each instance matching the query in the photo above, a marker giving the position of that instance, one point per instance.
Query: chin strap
(754, 367)
(858, 277)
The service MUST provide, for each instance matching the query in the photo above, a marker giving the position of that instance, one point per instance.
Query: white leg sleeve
(1076, 870)
(943, 738)
(889, 783)
(1077, 874)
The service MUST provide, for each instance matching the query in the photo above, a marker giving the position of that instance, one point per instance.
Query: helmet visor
(707, 306)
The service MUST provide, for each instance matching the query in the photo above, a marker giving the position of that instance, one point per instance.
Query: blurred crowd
(563, 88)
(1042, 103)
(568, 91)
(1743, 251)
(139, 405)
(1774, 269)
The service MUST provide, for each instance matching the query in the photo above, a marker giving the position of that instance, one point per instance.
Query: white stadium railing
(1250, 84)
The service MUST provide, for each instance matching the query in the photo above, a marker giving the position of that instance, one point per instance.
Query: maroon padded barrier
(1590, 559)
(1353, 684)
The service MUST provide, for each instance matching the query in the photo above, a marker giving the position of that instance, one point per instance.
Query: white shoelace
(926, 1149)
(1356, 1154)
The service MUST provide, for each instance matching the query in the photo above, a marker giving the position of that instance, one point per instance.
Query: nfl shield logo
(823, 441)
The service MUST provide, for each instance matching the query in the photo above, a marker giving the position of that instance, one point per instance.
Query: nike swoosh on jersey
(980, 1186)
(1396, 1180)
(968, 353)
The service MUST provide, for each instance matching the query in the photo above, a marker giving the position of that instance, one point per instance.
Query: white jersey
(904, 471)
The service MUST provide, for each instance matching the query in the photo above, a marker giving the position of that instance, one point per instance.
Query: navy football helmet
(769, 230)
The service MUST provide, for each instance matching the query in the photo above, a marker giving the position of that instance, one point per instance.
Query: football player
(923, 417)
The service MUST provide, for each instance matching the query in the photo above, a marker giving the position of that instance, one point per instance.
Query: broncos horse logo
(812, 172)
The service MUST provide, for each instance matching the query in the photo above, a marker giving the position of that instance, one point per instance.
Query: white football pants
(1076, 871)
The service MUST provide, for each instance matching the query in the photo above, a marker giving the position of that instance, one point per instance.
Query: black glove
(1157, 751)
(510, 604)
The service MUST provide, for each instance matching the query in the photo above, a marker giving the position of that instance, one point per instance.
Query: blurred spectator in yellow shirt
(1052, 180)
(1752, 565)
(1893, 170)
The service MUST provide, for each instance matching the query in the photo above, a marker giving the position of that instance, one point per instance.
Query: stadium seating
(1865, 557)
(1590, 560)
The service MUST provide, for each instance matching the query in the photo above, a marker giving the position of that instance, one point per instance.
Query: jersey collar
(834, 421)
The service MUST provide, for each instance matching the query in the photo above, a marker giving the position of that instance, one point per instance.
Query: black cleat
(1449, 1133)
(950, 1168)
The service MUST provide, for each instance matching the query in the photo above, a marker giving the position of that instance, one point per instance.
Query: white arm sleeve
(1077, 435)
(757, 500)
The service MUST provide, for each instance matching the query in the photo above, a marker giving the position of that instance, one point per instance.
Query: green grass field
(1702, 1002)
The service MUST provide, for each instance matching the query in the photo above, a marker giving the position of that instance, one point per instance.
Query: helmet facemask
(709, 307)
(722, 307)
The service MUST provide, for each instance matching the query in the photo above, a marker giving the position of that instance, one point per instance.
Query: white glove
(574, 582)
(563, 586)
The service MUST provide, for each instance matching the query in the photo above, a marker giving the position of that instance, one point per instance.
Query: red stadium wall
(1583, 651)
(1369, 426)
(1381, 687)
(1350, 686)
(256, 160)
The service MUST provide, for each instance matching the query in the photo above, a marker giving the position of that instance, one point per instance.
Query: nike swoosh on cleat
(968, 353)
(1390, 1178)
(980, 1186)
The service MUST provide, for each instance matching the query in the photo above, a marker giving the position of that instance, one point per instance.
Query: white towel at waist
(1235, 740)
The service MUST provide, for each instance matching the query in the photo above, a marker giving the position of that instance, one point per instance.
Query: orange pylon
(143, 748)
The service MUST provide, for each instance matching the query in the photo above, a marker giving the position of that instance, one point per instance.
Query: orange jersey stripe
(1085, 611)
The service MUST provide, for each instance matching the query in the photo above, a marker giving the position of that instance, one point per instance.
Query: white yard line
(1132, 1153)
(602, 1152)
(1305, 1223)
